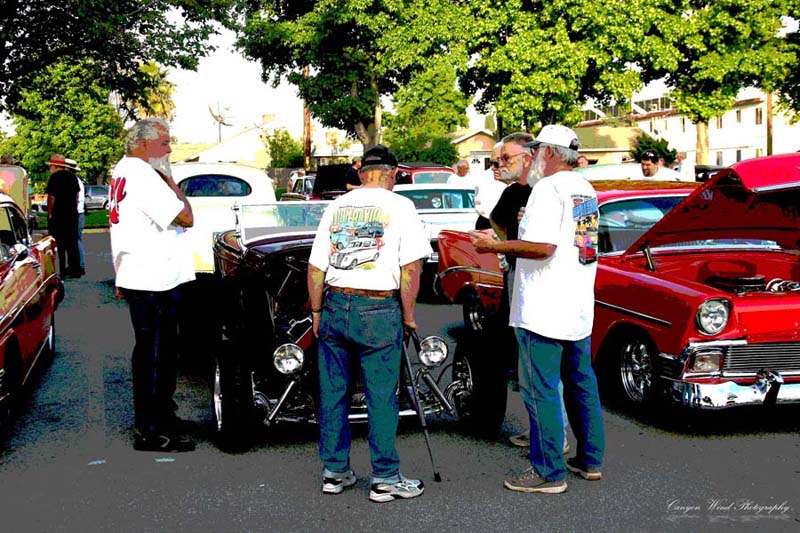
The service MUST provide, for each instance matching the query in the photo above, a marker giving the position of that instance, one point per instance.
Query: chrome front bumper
(768, 389)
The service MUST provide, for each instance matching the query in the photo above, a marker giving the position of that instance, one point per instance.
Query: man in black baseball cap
(378, 155)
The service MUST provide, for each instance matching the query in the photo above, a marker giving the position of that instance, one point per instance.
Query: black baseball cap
(379, 155)
(649, 155)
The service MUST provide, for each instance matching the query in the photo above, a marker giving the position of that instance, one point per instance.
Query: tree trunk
(702, 155)
(306, 128)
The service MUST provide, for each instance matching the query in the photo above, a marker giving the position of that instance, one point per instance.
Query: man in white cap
(552, 310)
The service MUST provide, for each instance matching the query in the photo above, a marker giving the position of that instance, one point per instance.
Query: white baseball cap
(556, 135)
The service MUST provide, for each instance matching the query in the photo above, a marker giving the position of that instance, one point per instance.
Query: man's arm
(316, 283)
(185, 218)
(409, 288)
(51, 204)
(528, 250)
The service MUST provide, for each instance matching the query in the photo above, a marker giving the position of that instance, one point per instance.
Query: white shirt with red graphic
(148, 254)
(365, 236)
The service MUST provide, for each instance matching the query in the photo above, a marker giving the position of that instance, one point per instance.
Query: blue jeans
(81, 251)
(372, 330)
(155, 357)
(543, 361)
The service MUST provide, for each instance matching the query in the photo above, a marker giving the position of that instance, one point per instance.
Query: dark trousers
(69, 261)
(482, 223)
(155, 357)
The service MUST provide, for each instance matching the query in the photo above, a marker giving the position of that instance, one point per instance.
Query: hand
(118, 294)
(408, 327)
(315, 321)
(482, 242)
(520, 215)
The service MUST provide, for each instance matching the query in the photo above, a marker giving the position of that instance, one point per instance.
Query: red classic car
(29, 294)
(702, 306)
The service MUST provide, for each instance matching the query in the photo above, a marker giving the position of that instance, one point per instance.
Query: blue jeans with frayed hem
(371, 330)
(543, 361)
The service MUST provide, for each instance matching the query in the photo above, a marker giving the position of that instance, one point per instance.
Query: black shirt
(63, 185)
(504, 214)
(351, 177)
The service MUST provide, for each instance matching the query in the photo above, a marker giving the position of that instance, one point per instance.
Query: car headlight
(706, 363)
(432, 351)
(712, 316)
(288, 358)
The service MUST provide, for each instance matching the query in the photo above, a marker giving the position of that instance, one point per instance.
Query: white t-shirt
(147, 253)
(365, 236)
(467, 180)
(554, 297)
(667, 174)
(487, 192)
(81, 195)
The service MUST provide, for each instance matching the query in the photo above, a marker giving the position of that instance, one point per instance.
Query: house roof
(461, 136)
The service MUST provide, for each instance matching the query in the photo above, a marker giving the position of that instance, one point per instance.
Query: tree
(538, 62)
(66, 111)
(708, 51)
(433, 150)
(156, 99)
(284, 151)
(118, 36)
(426, 109)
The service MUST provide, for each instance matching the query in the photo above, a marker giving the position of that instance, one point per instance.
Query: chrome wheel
(636, 369)
(474, 313)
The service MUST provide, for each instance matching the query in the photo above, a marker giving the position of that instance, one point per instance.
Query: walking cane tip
(437, 478)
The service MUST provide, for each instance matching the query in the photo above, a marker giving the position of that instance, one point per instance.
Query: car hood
(754, 199)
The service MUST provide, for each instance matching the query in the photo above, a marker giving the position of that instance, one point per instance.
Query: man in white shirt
(652, 170)
(488, 189)
(147, 212)
(73, 165)
(552, 309)
(367, 254)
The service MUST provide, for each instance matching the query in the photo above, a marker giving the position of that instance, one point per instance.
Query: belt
(363, 292)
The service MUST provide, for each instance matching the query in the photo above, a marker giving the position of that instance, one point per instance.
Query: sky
(225, 80)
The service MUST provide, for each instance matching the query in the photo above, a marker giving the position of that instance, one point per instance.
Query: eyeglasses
(506, 157)
(495, 163)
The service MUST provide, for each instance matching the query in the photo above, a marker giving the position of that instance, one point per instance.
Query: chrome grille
(750, 358)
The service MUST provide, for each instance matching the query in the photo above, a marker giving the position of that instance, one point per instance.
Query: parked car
(699, 307)
(704, 172)
(30, 292)
(441, 206)
(302, 189)
(266, 371)
(96, 197)
(423, 173)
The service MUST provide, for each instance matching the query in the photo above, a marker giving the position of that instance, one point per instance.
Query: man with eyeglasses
(552, 309)
(488, 188)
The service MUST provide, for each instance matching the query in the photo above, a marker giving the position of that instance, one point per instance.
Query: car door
(22, 298)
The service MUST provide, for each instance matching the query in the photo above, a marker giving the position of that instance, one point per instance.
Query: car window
(98, 191)
(441, 199)
(623, 222)
(432, 177)
(7, 237)
(217, 185)
(19, 227)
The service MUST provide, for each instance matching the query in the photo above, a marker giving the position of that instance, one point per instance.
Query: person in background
(652, 168)
(62, 215)
(73, 165)
(583, 161)
(362, 315)
(351, 177)
(147, 215)
(555, 266)
(685, 167)
(488, 189)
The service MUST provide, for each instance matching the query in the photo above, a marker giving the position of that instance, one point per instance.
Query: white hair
(144, 130)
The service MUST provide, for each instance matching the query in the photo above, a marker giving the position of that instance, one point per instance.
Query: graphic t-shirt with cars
(365, 236)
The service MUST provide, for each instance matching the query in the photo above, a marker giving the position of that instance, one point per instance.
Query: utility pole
(306, 128)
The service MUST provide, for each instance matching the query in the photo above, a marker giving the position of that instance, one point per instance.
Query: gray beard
(161, 164)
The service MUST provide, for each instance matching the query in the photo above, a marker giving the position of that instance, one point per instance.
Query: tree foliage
(536, 62)
(427, 149)
(284, 151)
(156, 99)
(118, 36)
(66, 111)
(708, 51)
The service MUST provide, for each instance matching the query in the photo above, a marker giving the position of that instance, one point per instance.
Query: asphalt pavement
(67, 463)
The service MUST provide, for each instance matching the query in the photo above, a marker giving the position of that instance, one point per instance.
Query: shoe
(335, 485)
(174, 424)
(162, 443)
(523, 440)
(591, 473)
(405, 488)
(529, 481)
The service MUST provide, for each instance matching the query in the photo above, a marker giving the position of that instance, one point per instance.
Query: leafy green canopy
(72, 117)
(118, 36)
(284, 152)
(538, 61)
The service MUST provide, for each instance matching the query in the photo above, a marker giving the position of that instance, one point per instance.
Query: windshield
(440, 198)
(255, 221)
(434, 176)
(623, 222)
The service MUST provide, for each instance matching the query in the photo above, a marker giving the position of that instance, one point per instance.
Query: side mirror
(19, 252)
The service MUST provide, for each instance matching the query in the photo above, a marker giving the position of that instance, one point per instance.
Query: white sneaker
(335, 485)
(405, 488)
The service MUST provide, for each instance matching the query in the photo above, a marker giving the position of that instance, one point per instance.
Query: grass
(96, 218)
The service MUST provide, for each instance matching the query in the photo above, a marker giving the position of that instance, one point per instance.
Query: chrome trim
(469, 269)
(636, 314)
(778, 187)
(769, 388)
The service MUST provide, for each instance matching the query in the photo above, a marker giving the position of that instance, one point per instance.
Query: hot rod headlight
(288, 358)
(432, 351)
(712, 316)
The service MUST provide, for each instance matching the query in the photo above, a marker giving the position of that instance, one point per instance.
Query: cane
(417, 406)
